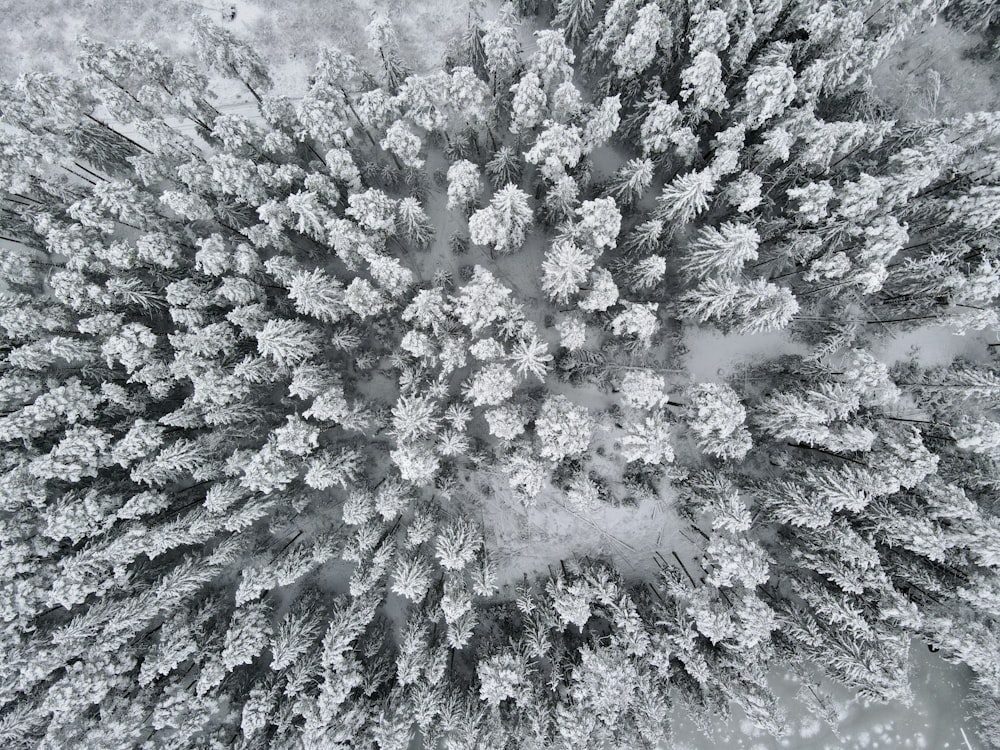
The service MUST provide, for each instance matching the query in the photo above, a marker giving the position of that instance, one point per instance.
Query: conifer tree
(528, 104)
(718, 421)
(575, 16)
(602, 123)
(556, 149)
(638, 320)
(222, 51)
(504, 167)
(463, 185)
(722, 251)
(565, 269)
(501, 45)
(382, 39)
(563, 428)
(744, 308)
(504, 223)
(685, 197)
(702, 84)
(632, 180)
(638, 49)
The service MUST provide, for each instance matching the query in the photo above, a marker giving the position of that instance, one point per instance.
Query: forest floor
(936, 72)
(934, 721)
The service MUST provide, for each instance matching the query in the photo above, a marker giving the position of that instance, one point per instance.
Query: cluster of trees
(239, 416)
(974, 15)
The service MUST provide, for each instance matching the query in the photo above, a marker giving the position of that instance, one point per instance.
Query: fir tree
(745, 308)
(382, 39)
(718, 421)
(632, 180)
(702, 83)
(504, 167)
(556, 149)
(504, 223)
(463, 185)
(575, 17)
(562, 428)
(565, 269)
(722, 251)
(221, 50)
(685, 197)
(528, 104)
(638, 49)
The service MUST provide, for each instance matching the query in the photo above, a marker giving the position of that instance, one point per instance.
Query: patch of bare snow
(931, 346)
(931, 73)
(533, 540)
(713, 356)
(935, 719)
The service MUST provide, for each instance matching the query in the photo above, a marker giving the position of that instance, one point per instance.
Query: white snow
(533, 540)
(934, 720)
(714, 356)
(932, 346)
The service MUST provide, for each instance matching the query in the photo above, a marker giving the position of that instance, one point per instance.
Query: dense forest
(268, 380)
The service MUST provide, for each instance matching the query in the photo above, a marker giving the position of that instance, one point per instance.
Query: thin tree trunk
(119, 134)
(684, 568)
(827, 453)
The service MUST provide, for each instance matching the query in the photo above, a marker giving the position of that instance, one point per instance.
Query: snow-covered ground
(714, 357)
(533, 540)
(932, 346)
(934, 721)
(934, 73)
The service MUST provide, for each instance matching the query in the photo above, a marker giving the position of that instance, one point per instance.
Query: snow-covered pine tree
(754, 306)
(383, 40)
(722, 251)
(504, 223)
(565, 270)
(576, 17)
(632, 180)
(717, 421)
(685, 197)
(222, 51)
